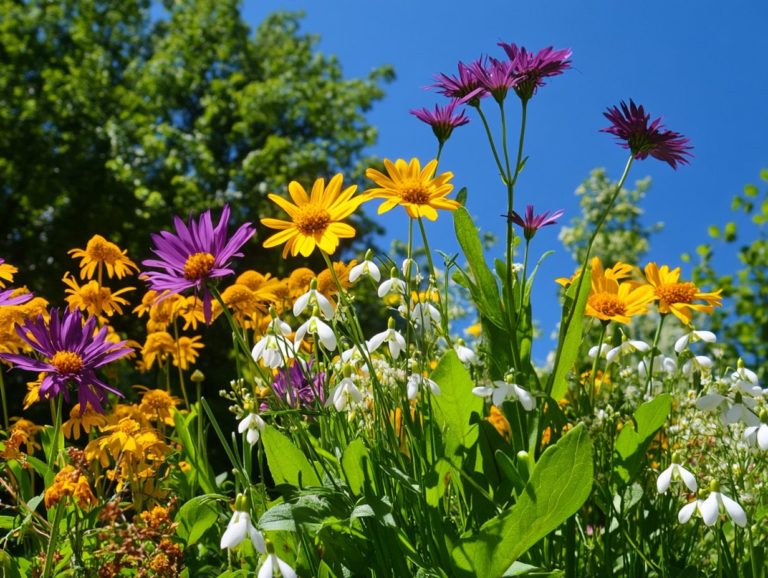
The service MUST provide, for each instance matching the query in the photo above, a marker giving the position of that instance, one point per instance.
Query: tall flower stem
(53, 539)
(57, 410)
(442, 303)
(653, 353)
(523, 279)
(593, 376)
(496, 157)
(4, 401)
(181, 373)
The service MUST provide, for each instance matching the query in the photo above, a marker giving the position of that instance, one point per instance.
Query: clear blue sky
(699, 64)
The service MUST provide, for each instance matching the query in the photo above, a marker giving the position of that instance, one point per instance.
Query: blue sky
(700, 65)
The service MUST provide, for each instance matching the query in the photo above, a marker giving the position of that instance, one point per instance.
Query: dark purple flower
(298, 387)
(442, 120)
(532, 223)
(465, 88)
(630, 124)
(71, 352)
(495, 76)
(196, 253)
(6, 298)
(531, 69)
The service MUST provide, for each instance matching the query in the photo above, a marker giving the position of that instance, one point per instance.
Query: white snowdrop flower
(746, 380)
(757, 434)
(417, 382)
(604, 348)
(353, 356)
(661, 364)
(273, 349)
(273, 564)
(424, 314)
(682, 343)
(627, 347)
(367, 268)
(344, 395)
(709, 509)
(315, 299)
(254, 425)
(391, 337)
(239, 528)
(391, 285)
(700, 363)
(732, 410)
(407, 268)
(675, 471)
(503, 390)
(466, 355)
(318, 328)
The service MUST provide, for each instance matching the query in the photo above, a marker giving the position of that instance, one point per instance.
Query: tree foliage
(116, 116)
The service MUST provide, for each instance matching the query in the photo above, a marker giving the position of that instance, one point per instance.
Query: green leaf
(201, 467)
(632, 441)
(354, 463)
(196, 517)
(287, 463)
(461, 197)
(520, 569)
(561, 482)
(713, 231)
(571, 339)
(730, 231)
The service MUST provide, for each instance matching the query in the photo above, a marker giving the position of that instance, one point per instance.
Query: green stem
(648, 383)
(181, 373)
(433, 278)
(524, 280)
(48, 567)
(591, 392)
(502, 174)
(4, 401)
(56, 428)
(439, 151)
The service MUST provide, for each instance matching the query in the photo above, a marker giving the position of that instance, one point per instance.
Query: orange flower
(677, 296)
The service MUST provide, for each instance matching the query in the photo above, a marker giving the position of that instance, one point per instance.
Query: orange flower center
(677, 292)
(312, 220)
(607, 304)
(99, 249)
(67, 362)
(198, 266)
(415, 194)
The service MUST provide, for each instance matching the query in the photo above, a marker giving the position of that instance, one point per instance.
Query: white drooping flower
(733, 408)
(700, 363)
(254, 425)
(499, 391)
(391, 337)
(709, 509)
(417, 382)
(391, 285)
(675, 471)
(322, 331)
(344, 395)
(682, 343)
(757, 434)
(274, 348)
(661, 364)
(367, 268)
(273, 564)
(425, 315)
(627, 347)
(239, 528)
(604, 348)
(315, 299)
(466, 355)
(746, 380)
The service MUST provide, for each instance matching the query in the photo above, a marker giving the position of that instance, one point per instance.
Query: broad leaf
(633, 440)
(287, 463)
(354, 463)
(196, 517)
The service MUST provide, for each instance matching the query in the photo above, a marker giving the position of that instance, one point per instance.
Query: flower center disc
(198, 266)
(415, 194)
(99, 249)
(607, 303)
(677, 292)
(67, 362)
(312, 220)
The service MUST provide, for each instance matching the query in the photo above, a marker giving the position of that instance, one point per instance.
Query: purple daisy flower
(495, 76)
(196, 253)
(6, 298)
(465, 87)
(631, 125)
(298, 387)
(530, 69)
(442, 120)
(71, 351)
(532, 223)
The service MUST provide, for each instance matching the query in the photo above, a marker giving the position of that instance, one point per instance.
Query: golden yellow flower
(186, 351)
(33, 391)
(474, 330)
(161, 312)
(100, 253)
(94, 298)
(299, 280)
(13, 315)
(6, 273)
(325, 282)
(158, 346)
(499, 422)
(128, 442)
(315, 218)
(610, 300)
(158, 405)
(86, 421)
(191, 310)
(22, 433)
(244, 303)
(70, 482)
(407, 185)
(677, 296)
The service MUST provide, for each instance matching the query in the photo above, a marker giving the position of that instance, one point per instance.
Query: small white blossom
(700, 363)
(706, 336)
(368, 268)
(273, 349)
(627, 347)
(661, 363)
(604, 348)
(709, 509)
(391, 285)
(466, 355)
(319, 329)
(392, 338)
(757, 434)
(416, 382)
(746, 380)
(316, 299)
(273, 563)
(344, 395)
(254, 425)
(239, 528)
(425, 314)
(502, 390)
(675, 471)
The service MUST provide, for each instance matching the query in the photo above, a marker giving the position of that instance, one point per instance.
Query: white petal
(355, 272)
(526, 399)
(327, 336)
(682, 343)
(285, 569)
(686, 512)
(433, 386)
(500, 394)
(736, 512)
(762, 437)
(373, 271)
(257, 539)
(267, 570)
(710, 402)
(482, 391)
(412, 388)
(301, 304)
(258, 349)
(688, 478)
(384, 288)
(375, 342)
(640, 346)
(236, 530)
(252, 436)
(326, 308)
(706, 336)
(664, 479)
(709, 509)
(245, 423)
(613, 354)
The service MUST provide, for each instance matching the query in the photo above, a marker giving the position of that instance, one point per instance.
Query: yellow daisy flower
(413, 188)
(186, 351)
(158, 405)
(94, 298)
(158, 346)
(325, 283)
(86, 420)
(299, 280)
(315, 218)
(677, 296)
(610, 300)
(100, 253)
(6, 272)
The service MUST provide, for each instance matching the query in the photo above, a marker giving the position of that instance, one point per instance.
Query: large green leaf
(559, 485)
(287, 463)
(196, 517)
(354, 463)
(634, 438)
(570, 334)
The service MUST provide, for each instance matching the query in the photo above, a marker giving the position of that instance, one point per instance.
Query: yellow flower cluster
(70, 482)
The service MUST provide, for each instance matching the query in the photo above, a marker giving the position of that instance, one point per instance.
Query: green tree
(116, 116)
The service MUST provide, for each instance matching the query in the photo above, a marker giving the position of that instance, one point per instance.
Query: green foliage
(114, 120)
(623, 237)
(634, 438)
(287, 462)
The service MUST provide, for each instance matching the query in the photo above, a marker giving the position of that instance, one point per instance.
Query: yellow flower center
(312, 220)
(67, 362)
(415, 193)
(677, 292)
(198, 266)
(607, 304)
(99, 249)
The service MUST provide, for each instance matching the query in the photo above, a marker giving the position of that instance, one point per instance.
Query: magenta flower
(197, 253)
(465, 88)
(531, 69)
(7, 299)
(630, 124)
(495, 76)
(532, 223)
(71, 352)
(442, 120)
